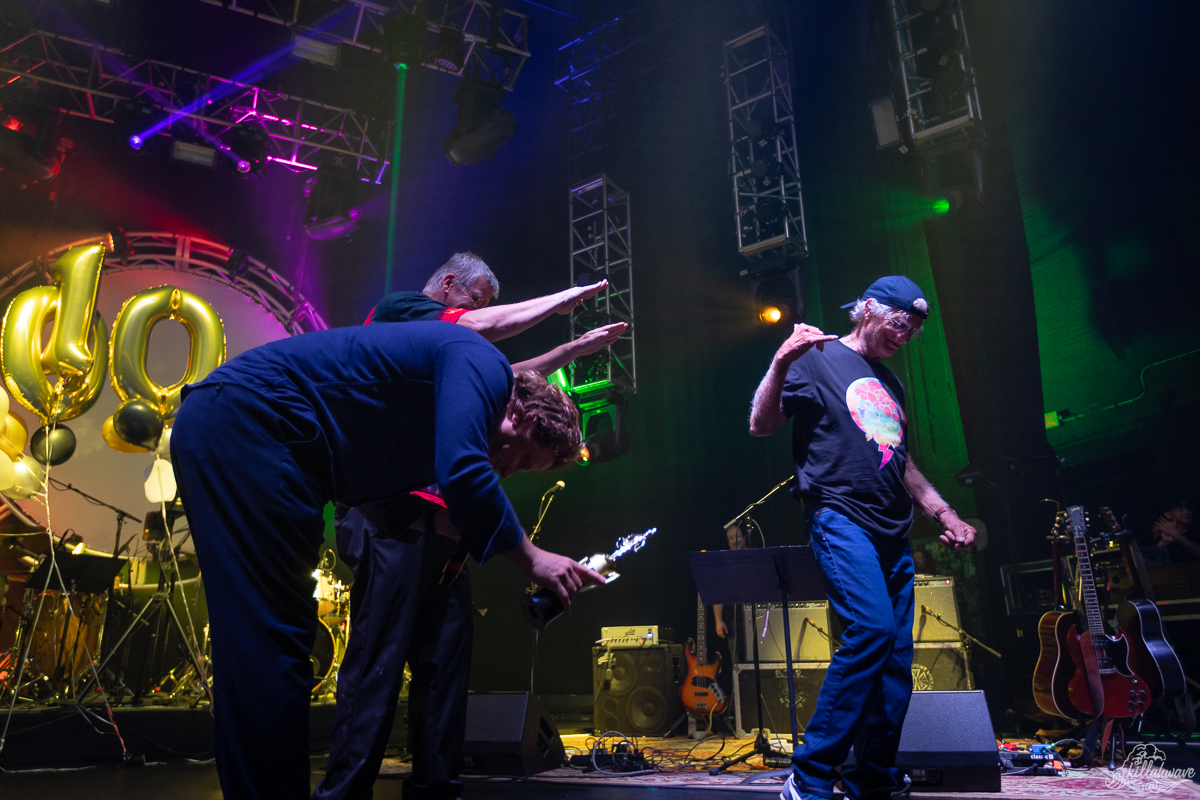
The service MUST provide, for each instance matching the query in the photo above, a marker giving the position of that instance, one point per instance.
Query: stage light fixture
(777, 296)
(318, 51)
(333, 194)
(197, 154)
(483, 127)
(448, 49)
(132, 120)
(883, 114)
(30, 144)
(249, 145)
(766, 170)
(403, 37)
(605, 432)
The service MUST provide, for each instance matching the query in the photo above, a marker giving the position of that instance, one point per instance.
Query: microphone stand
(746, 513)
(547, 499)
(959, 631)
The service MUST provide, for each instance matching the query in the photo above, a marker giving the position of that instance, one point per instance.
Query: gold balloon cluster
(61, 378)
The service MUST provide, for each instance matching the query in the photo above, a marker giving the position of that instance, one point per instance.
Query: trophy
(543, 606)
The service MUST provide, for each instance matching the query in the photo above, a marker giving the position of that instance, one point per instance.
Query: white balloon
(160, 482)
(164, 445)
(30, 479)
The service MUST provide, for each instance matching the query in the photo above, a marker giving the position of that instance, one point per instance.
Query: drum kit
(76, 620)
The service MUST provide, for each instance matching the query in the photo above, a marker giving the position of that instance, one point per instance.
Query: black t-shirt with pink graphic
(849, 438)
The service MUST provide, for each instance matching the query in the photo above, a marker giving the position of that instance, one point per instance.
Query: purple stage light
(243, 166)
(136, 141)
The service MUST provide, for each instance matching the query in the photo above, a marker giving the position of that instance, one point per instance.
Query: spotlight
(190, 153)
(448, 50)
(318, 51)
(332, 195)
(117, 244)
(403, 36)
(249, 144)
(777, 298)
(771, 314)
(483, 127)
(762, 130)
(132, 119)
(605, 433)
(883, 114)
(766, 170)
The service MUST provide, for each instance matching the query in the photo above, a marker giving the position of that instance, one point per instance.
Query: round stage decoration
(27, 361)
(131, 342)
(137, 422)
(52, 445)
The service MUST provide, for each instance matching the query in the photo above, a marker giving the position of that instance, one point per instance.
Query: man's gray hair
(467, 267)
(860, 309)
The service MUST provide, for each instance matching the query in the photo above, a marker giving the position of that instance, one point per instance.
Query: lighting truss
(496, 38)
(88, 80)
(601, 248)
(763, 155)
(937, 75)
(193, 256)
(586, 72)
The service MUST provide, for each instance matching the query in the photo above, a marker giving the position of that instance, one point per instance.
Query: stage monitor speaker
(777, 716)
(937, 593)
(948, 744)
(509, 733)
(637, 691)
(809, 623)
(941, 667)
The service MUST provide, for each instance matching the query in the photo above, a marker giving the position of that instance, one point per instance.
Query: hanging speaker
(509, 733)
(637, 691)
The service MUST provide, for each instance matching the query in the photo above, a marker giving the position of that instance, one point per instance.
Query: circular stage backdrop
(256, 305)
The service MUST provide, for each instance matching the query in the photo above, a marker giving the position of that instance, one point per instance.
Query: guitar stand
(1101, 732)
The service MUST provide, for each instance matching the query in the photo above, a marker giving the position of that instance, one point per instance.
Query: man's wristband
(937, 515)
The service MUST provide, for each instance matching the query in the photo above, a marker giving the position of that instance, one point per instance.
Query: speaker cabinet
(809, 623)
(936, 593)
(637, 690)
(807, 678)
(948, 744)
(941, 667)
(509, 733)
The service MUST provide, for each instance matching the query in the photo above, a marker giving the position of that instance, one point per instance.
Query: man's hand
(598, 339)
(722, 628)
(803, 338)
(557, 573)
(956, 534)
(570, 298)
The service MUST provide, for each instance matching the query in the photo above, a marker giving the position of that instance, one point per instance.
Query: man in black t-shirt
(858, 485)
(398, 592)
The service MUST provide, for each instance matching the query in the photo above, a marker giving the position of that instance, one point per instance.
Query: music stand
(82, 572)
(760, 576)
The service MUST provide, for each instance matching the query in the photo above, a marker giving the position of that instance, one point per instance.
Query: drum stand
(162, 599)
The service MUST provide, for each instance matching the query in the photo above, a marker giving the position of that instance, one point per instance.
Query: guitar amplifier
(941, 667)
(633, 636)
(809, 623)
(937, 593)
(636, 690)
(807, 678)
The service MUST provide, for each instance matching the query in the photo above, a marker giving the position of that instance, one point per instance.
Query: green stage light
(941, 206)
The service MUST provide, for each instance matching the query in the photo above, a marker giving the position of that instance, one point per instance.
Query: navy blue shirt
(412, 307)
(850, 437)
(400, 407)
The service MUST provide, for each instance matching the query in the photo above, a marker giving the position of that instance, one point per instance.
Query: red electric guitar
(1104, 685)
(701, 694)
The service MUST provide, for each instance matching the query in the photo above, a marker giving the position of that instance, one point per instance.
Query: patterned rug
(684, 763)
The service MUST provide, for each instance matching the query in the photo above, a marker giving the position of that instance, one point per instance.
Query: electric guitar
(1104, 685)
(1151, 655)
(701, 694)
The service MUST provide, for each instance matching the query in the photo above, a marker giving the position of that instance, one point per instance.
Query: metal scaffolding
(763, 156)
(586, 72)
(938, 78)
(88, 80)
(496, 38)
(601, 248)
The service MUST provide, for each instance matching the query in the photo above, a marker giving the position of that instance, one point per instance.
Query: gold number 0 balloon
(131, 340)
(25, 364)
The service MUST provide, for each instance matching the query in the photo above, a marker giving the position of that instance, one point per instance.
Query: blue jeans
(869, 581)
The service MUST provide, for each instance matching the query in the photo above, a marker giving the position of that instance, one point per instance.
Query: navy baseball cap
(896, 291)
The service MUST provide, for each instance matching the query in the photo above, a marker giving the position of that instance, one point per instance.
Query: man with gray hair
(858, 485)
(404, 588)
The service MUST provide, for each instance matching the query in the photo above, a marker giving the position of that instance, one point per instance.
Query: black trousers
(396, 599)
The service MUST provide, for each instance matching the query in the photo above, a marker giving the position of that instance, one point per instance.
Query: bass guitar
(1104, 684)
(701, 694)
(1151, 655)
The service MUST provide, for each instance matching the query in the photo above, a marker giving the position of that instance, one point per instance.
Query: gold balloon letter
(81, 369)
(131, 340)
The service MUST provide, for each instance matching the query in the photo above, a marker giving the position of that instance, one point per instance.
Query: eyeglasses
(902, 327)
(477, 300)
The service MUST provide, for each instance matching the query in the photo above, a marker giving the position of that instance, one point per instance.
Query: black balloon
(52, 445)
(138, 423)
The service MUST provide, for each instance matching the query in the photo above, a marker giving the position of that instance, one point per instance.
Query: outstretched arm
(956, 534)
(766, 413)
(501, 322)
(558, 573)
(564, 354)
